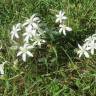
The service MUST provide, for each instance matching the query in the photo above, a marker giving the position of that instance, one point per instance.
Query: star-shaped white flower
(64, 28)
(24, 51)
(33, 21)
(92, 47)
(15, 29)
(30, 32)
(60, 17)
(82, 51)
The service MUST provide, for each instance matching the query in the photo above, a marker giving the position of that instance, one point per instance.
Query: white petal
(39, 43)
(86, 54)
(64, 32)
(60, 20)
(80, 55)
(79, 46)
(61, 25)
(57, 16)
(61, 13)
(33, 16)
(18, 29)
(26, 23)
(12, 37)
(14, 27)
(64, 17)
(19, 53)
(16, 35)
(29, 54)
(24, 57)
(36, 19)
(2, 71)
(92, 51)
(43, 41)
(60, 30)
(30, 47)
(25, 34)
(26, 39)
(57, 20)
(68, 29)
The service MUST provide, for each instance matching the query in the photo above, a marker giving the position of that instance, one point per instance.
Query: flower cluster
(29, 34)
(88, 47)
(60, 18)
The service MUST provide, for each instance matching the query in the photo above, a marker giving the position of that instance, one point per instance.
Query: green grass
(55, 69)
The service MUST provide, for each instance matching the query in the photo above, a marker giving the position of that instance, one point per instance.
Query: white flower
(92, 47)
(60, 17)
(33, 21)
(64, 28)
(29, 33)
(15, 29)
(37, 40)
(83, 51)
(24, 51)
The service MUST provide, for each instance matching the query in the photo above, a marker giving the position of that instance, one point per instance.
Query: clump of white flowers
(60, 18)
(29, 35)
(88, 47)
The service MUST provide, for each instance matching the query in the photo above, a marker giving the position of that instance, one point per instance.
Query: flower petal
(80, 55)
(19, 53)
(79, 46)
(29, 54)
(60, 30)
(24, 57)
(68, 29)
(86, 54)
(92, 51)
(64, 17)
(64, 32)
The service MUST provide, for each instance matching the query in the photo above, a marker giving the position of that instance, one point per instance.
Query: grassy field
(56, 69)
